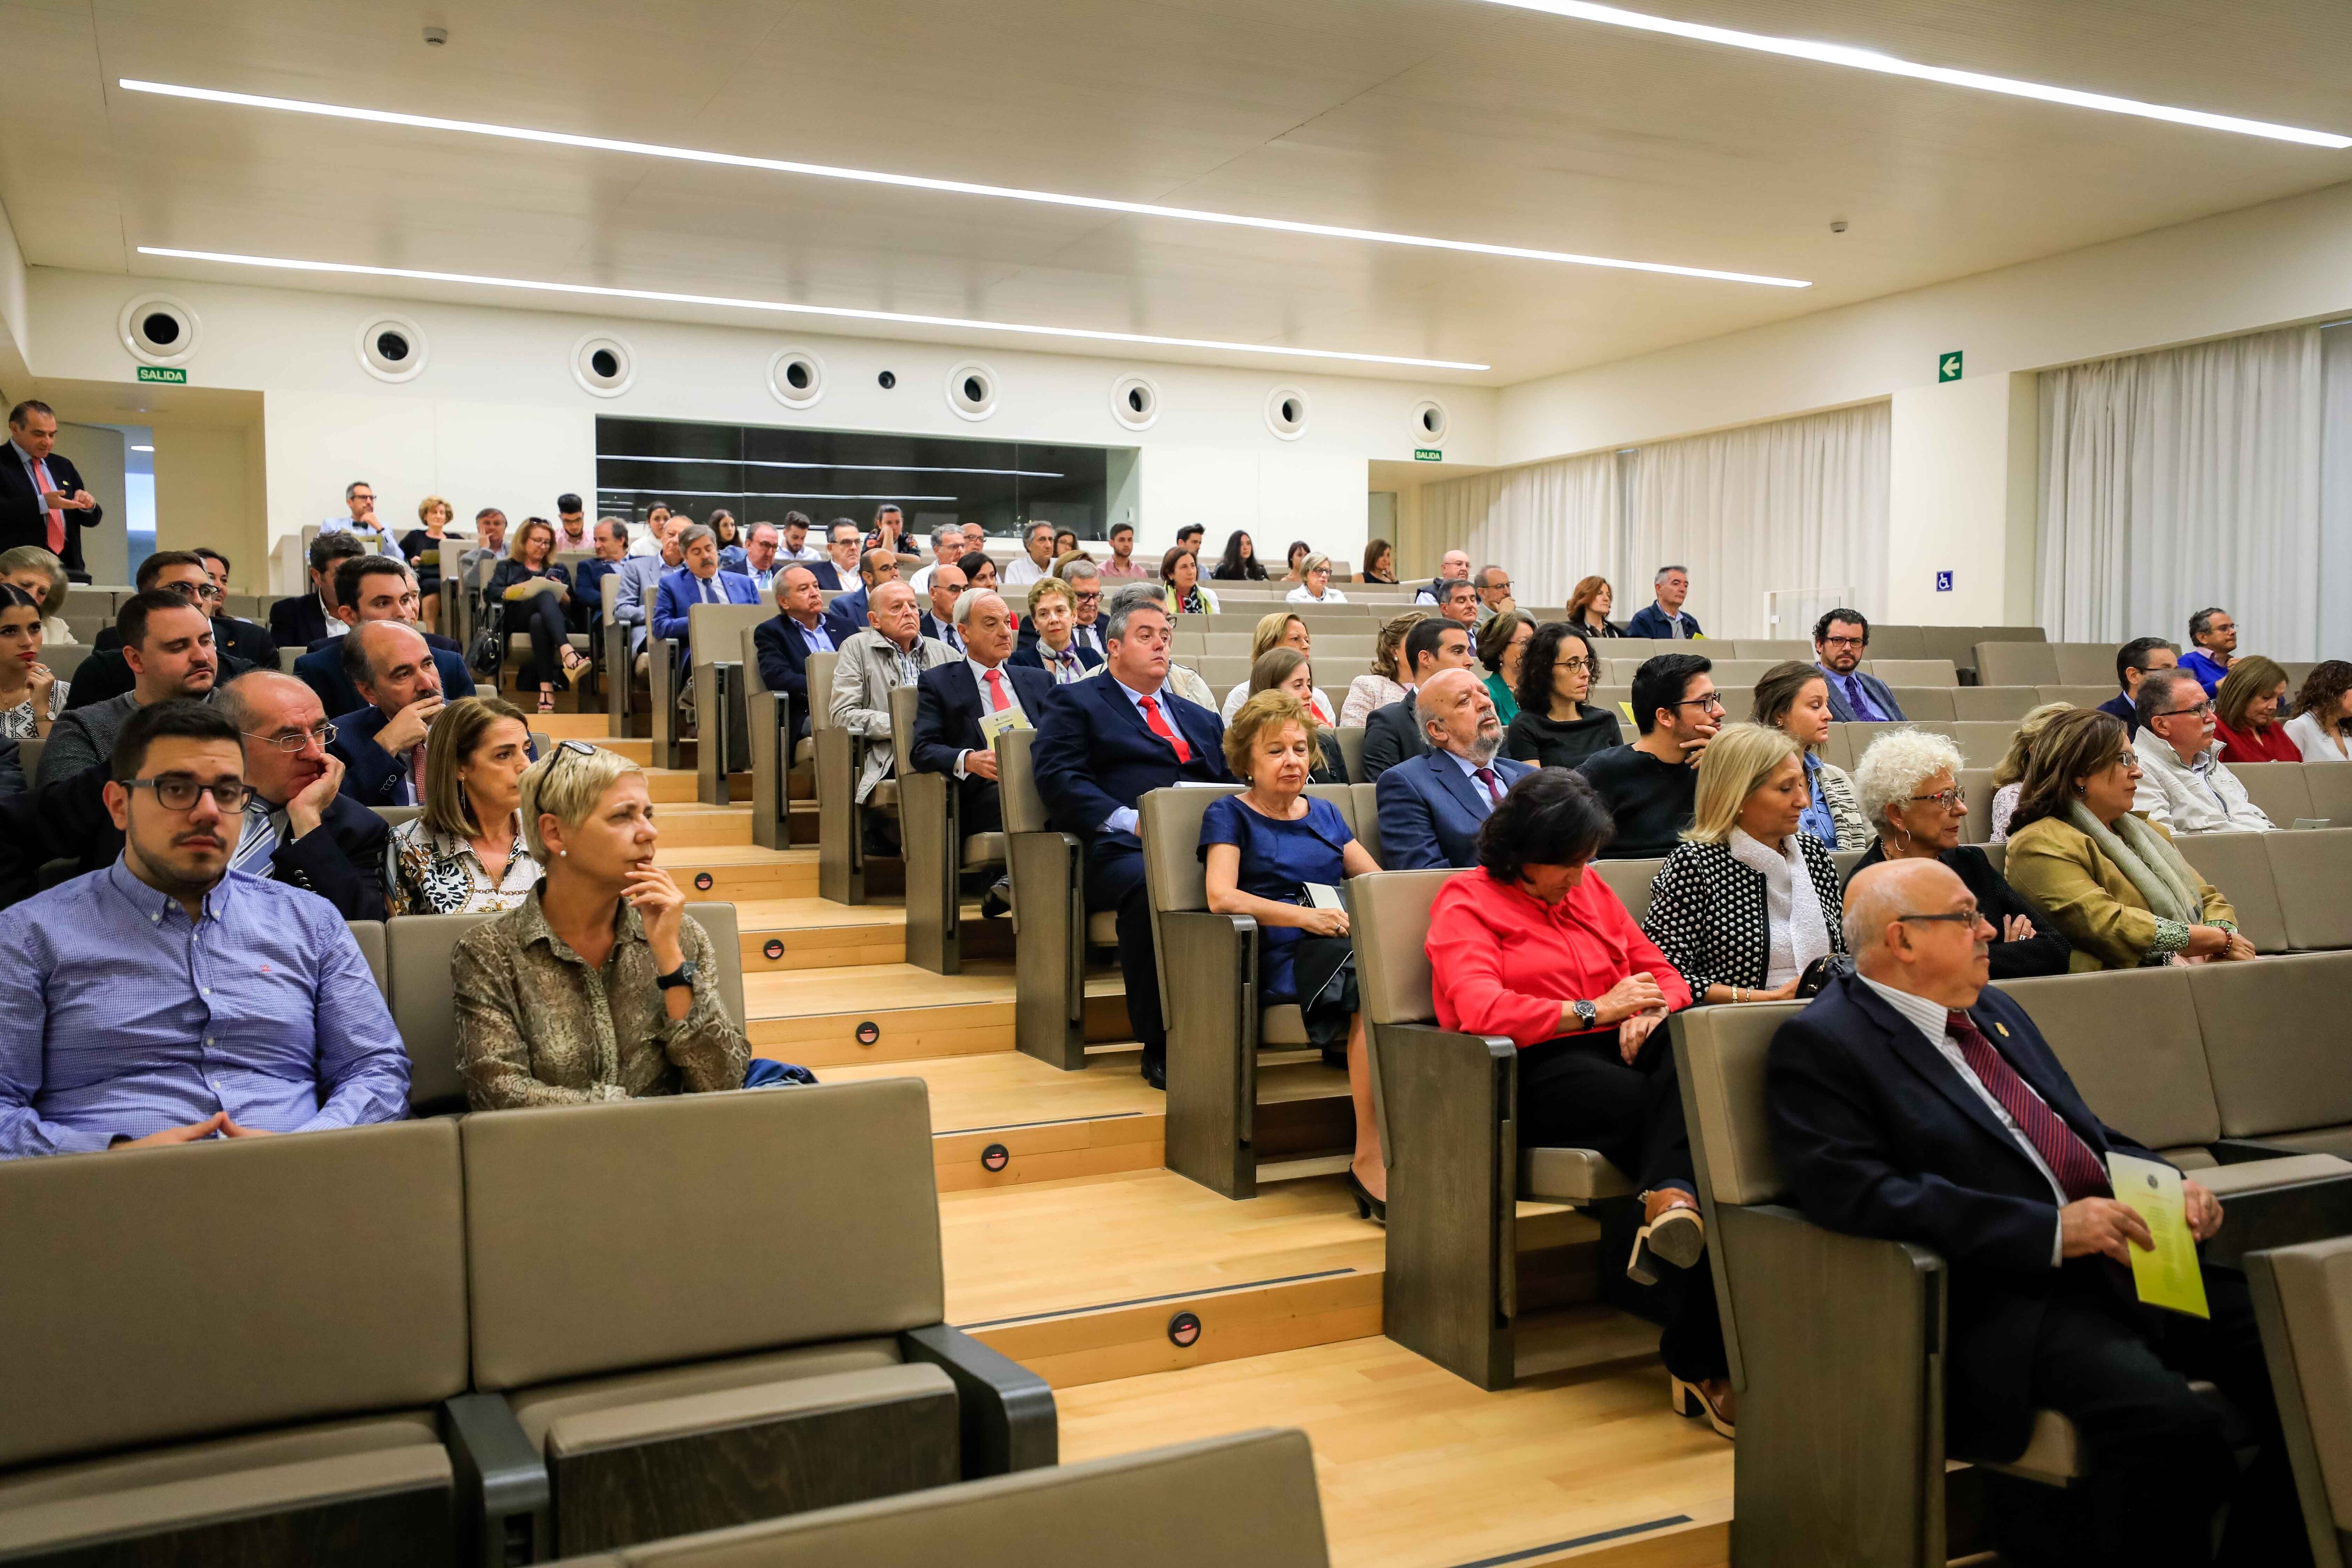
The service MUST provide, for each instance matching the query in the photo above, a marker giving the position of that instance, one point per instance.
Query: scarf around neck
(2148, 861)
(1799, 934)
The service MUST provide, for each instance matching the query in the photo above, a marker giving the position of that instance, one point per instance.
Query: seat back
(2083, 695)
(601, 1238)
(2328, 784)
(1898, 642)
(2084, 664)
(1023, 808)
(369, 934)
(2310, 871)
(1982, 743)
(1776, 650)
(1351, 748)
(2303, 1300)
(1388, 915)
(819, 670)
(906, 708)
(393, 815)
(2273, 1070)
(1367, 819)
(1721, 1054)
(2279, 789)
(1932, 702)
(1170, 821)
(718, 921)
(1978, 789)
(1630, 880)
(2021, 664)
(2129, 1040)
(424, 1006)
(2239, 865)
(1981, 702)
(169, 1293)
(746, 652)
(1914, 671)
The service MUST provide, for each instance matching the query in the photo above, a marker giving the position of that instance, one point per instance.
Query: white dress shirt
(1299, 596)
(1020, 572)
(980, 674)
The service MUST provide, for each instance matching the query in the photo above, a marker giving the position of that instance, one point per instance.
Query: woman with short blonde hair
(1281, 629)
(1381, 688)
(598, 985)
(466, 853)
(423, 547)
(1749, 900)
(1315, 583)
(1053, 617)
(2009, 773)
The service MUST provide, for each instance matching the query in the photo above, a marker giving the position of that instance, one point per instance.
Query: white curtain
(2335, 585)
(1550, 524)
(2182, 478)
(1787, 513)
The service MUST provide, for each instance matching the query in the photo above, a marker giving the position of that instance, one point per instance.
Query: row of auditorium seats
(515, 1335)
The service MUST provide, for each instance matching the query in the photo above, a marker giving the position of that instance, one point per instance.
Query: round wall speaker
(1285, 412)
(796, 376)
(972, 390)
(603, 365)
(159, 330)
(391, 348)
(1429, 421)
(1135, 401)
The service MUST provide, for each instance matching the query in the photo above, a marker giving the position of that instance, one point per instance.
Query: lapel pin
(2004, 1029)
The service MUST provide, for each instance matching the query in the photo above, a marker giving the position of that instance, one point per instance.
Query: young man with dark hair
(167, 642)
(1652, 784)
(106, 674)
(370, 589)
(1122, 566)
(571, 532)
(300, 621)
(1393, 734)
(2133, 661)
(796, 540)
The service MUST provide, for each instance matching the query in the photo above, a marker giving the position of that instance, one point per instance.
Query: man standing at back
(1667, 619)
(1101, 746)
(1840, 639)
(168, 643)
(1652, 785)
(1432, 805)
(1393, 734)
(41, 497)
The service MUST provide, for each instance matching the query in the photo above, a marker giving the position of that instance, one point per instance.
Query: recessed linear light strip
(1888, 65)
(923, 182)
(838, 468)
(662, 297)
(753, 495)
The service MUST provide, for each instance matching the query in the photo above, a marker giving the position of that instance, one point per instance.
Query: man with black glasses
(2183, 781)
(169, 998)
(1652, 785)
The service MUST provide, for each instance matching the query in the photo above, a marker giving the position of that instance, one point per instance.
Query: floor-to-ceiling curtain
(1548, 524)
(2182, 478)
(1788, 516)
(2335, 575)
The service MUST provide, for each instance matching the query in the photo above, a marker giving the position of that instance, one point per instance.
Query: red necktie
(2070, 1159)
(57, 518)
(1160, 727)
(1494, 786)
(997, 701)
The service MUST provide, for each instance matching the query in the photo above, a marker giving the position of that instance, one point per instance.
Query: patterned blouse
(439, 874)
(537, 1027)
(17, 723)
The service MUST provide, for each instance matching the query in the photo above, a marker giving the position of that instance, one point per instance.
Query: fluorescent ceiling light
(921, 183)
(1888, 65)
(845, 467)
(663, 296)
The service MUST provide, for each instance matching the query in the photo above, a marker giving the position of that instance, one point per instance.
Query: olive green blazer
(2057, 866)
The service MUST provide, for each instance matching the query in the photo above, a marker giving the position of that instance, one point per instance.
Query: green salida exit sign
(163, 373)
(1427, 455)
(1948, 366)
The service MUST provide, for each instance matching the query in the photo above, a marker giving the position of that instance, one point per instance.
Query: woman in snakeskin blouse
(599, 985)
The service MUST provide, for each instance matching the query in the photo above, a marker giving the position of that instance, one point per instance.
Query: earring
(563, 853)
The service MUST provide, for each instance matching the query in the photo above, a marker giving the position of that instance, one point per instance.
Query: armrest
(1213, 1037)
(1006, 1410)
(2241, 1150)
(501, 1482)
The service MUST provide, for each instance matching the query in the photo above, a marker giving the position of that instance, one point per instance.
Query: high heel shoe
(1690, 1399)
(1675, 1239)
(1367, 1206)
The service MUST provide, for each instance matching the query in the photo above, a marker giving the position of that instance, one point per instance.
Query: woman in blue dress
(1264, 849)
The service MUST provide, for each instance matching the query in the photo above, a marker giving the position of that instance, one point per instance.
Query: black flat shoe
(1367, 1206)
(1155, 1072)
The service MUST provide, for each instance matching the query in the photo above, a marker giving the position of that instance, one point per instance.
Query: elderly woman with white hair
(599, 985)
(1910, 789)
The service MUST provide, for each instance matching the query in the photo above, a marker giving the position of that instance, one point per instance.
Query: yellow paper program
(2169, 1276)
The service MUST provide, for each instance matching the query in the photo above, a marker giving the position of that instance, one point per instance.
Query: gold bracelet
(1738, 995)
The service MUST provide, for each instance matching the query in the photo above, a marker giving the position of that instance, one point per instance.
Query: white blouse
(1240, 694)
(1299, 596)
(2304, 732)
(19, 723)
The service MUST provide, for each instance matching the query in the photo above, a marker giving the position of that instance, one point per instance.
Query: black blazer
(782, 648)
(948, 709)
(66, 819)
(2046, 951)
(25, 520)
(1709, 913)
(1094, 755)
(1391, 736)
(1880, 1137)
(297, 622)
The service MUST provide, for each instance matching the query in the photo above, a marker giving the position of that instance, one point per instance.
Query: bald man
(1912, 1101)
(1432, 805)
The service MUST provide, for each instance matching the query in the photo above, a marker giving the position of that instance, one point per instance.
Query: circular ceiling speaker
(391, 348)
(1285, 412)
(796, 376)
(1429, 421)
(972, 390)
(157, 329)
(603, 365)
(1135, 401)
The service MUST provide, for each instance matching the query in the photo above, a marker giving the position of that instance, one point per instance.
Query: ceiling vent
(603, 365)
(159, 330)
(1285, 412)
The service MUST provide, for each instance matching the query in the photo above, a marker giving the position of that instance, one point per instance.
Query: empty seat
(2009, 703)
(1983, 743)
(2279, 790)
(2314, 875)
(2302, 1300)
(1898, 642)
(1631, 880)
(2239, 864)
(1931, 702)
(2329, 786)
(1914, 671)
(2088, 695)
(1957, 644)
(2276, 1076)
(2017, 664)
(2085, 664)
(1978, 789)
(369, 934)
(1774, 650)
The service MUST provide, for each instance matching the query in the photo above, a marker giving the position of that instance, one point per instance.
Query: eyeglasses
(1575, 663)
(1711, 701)
(1957, 917)
(324, 734)
(1845, 642)
(954, 587)
(2201, 709)
(1950, 799)
(178, 791)
(1090, 598)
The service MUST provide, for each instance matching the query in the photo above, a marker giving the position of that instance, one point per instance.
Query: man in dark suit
(301, 622)
(805, 627)
(874, 568)
(837, 573)
(947, 584)
(1667, 619)
(2135, 659)
(248, 640)
(297, 829)
(42, 501)
(1393, 733)
(1841, 642)
(370, 590)
(1102, 744)
(957, 703)
(698, 581)
(382, 743)
(1432, 805)
(610, 539)
(1910, 1102)
(107, 674)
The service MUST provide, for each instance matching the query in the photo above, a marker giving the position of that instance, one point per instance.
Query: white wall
(1961, 457)
(15, 339)
(496, 419)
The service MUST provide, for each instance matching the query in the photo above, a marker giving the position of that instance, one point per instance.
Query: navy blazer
(942, 632)
(1094, 755)
(1880, 1137)
(1875, 689)
(25, 520)
(828, 576)
(673, 599)
(321, 670)
(1392, 735)
(1028, 656)
(948, 709)
(784, 650)
(297, 622)
(1431, 811)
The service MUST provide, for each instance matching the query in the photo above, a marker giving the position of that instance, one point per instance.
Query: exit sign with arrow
(1947, 367)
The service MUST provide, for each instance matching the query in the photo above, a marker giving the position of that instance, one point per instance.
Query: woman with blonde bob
(422, 548)
(598, 985)
(1748, 900)
(1264, 849)
(1367, 693)
(1280, 629)
(2110, 878)
(2009, 773)
(464, 852)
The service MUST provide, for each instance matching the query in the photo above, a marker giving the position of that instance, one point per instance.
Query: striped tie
(2070, 1159)
(258, 841)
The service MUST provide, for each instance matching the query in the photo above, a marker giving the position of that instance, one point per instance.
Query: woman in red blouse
(1527, 945)
(2249, 714)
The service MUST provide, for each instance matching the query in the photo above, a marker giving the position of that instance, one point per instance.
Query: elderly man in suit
(1432, 805)
(42, 501)
(890, 653)
(961, 702)
(382, 744)
(1102, 744)
(805, 626)
(371, 589)
(837, 573)
(1841, 642)
(1911, 1101)
(946, 585)
(698, 582)
(1393, 734)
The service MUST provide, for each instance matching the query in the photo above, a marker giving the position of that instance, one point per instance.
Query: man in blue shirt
(1667, 620)
(168, 998)
(2215, 635)
(1840, 638)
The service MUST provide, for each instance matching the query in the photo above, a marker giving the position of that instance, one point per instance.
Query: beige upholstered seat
(2279, 789)
(2239, 864)
(2303, 1300)
(2313, 872)
(937, 852)
(1996, 703)
(1914, 671)
(2017, 664)
(1631, 880)
(2276, 1078)
(369, 934)
(1934, 702)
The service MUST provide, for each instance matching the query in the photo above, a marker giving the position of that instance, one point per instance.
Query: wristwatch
(1586, 1014)
(682, 975)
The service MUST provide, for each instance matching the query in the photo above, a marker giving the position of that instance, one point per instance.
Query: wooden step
(813, 1016)
(817, 933)
(737, 871)
(1420, 1469)
(690, 824)
(673, 786)
(1003, 1118)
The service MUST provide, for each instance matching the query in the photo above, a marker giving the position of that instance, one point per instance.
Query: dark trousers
(2160, 1456)
(1579, 1093)
(978, 807)
(1115, 881)
(542, 618)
